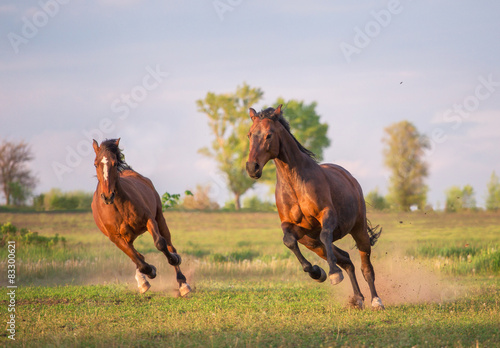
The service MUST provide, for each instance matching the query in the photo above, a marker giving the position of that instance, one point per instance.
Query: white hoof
(144, 287)
(336, 278)
(142, 282)
(184, 289)
(377, 303)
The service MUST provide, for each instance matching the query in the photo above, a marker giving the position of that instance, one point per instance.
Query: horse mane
(111, 146)
(269, 114)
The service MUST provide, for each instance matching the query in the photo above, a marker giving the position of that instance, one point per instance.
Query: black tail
(373, 232)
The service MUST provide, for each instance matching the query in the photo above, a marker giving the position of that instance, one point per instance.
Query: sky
(73, 70)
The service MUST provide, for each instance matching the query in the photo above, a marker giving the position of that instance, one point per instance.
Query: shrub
(9, 232)
(200, 200)
(254, 203)
(55, 199)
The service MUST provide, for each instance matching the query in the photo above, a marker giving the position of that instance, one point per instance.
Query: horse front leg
(142, 267)
(328, 225)
(290, 241)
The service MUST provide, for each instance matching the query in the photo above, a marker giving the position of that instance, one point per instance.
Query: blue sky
(72, 70)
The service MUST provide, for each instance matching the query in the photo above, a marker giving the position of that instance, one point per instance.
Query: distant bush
(199, 200)
(9, 232)
(55, 199)
(376, 201)
(254, 203)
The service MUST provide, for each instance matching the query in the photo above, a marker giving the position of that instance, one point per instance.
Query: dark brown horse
(317, 204)
(125, 205)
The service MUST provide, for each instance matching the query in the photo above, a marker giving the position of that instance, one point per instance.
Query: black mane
(111, 146)
(269, 114)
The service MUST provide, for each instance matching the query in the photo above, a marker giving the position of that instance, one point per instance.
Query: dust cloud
(404, 280)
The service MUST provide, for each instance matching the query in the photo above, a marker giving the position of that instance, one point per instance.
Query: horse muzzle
(108, 200)
(254, 170)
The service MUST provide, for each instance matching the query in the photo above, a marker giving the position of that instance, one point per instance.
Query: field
(438, 275)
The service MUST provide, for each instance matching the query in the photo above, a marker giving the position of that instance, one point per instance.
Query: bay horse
(125, 205)
(317, 204)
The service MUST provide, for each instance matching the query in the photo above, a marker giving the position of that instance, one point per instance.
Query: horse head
(264, 140)
(106, 167)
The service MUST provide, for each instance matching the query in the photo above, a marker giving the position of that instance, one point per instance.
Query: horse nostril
(256, 166)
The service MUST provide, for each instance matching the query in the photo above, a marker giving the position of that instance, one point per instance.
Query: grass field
(438, 275)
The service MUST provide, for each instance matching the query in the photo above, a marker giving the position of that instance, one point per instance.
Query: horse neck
(291, 163)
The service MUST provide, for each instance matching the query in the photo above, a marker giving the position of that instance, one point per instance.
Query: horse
(317, 204)
(125, 204)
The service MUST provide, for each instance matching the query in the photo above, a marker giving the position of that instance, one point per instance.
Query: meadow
(438, 275)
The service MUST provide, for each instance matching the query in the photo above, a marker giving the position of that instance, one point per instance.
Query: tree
(404, 152)
(229, 122)
(458, 199)
(493, 198)
(16, 178)
(305, 125)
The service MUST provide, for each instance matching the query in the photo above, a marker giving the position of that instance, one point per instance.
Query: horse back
(346, 194)
(140, 190)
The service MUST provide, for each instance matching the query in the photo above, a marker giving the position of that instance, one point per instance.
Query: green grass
(438, 275)
(233, 313)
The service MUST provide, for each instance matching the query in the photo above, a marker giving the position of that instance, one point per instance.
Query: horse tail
(373, 232)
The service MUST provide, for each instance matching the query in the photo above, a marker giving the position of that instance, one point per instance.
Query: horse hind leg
(363, 243)
(344, 261)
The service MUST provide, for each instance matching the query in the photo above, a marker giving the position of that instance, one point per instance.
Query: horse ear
(117, 142)
(96, 146)
(277, 112)
(253, 114)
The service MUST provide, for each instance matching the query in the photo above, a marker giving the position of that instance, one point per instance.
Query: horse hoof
(184, 289)
(152, 274)
(144, 287)
(336, 278)
(357, 302)
(142, 283)
(322, 276)
(177, 258)
(377, 303)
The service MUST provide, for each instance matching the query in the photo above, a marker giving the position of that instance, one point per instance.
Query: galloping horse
(124, 206)
(317, 204)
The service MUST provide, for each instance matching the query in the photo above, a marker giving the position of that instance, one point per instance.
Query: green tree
(404, 152)
(16, 178)
(229, 123)
(375, 200)
(493, 198)
(305, 125)
(458, 199)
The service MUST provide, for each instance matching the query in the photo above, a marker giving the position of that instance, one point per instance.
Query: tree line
(227, 115)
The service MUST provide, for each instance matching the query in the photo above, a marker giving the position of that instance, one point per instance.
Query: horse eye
(268, 136)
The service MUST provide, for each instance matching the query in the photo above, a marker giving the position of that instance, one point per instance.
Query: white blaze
(105, 169)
